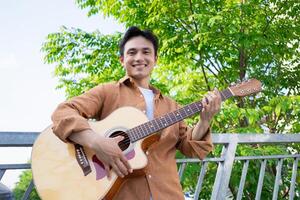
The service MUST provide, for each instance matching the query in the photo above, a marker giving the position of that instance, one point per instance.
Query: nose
(138, 56)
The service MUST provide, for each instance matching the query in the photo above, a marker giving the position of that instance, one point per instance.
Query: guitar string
(126, 142)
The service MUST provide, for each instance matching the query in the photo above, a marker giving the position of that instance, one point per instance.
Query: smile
(140, 65)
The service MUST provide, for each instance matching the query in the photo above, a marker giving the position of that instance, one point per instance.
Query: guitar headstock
(245, 88)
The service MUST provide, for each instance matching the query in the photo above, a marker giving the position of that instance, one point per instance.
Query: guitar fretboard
(167, 120)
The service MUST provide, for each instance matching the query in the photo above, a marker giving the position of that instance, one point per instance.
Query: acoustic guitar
(66, 171)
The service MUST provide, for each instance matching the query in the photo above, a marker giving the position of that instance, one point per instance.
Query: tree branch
(272, 18)
(206, 81)
(184, 25)
(215, 67)
(192, 11)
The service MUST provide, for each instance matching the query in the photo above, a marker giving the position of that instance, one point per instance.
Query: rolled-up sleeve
(71, 116)
(193, 148)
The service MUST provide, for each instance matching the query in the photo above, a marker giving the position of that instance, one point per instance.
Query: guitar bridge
(82, 159)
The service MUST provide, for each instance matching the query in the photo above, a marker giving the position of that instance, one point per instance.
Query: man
(138, 55)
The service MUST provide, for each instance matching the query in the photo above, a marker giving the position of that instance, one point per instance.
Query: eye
(131, 52)
(147, 52)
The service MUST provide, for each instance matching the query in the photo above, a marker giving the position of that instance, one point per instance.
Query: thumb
(119, 138)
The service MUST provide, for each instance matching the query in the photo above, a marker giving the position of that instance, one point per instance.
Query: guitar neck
(155, 125)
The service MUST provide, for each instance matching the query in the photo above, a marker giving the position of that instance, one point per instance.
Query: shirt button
(144, 111)
(149, 176)
(141, 95)
(147, 152)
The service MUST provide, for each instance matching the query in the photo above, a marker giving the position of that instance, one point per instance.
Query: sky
(27, 85)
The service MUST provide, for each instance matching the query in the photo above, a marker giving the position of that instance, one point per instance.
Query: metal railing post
(224, 170)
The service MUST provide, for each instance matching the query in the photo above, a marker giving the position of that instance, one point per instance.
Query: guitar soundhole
(124, 144)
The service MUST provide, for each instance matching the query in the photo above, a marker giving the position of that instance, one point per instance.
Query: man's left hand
(211, 105)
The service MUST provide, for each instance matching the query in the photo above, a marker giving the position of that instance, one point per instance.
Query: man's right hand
(106, 150)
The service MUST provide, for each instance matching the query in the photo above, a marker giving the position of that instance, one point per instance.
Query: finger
(217, 92)
(206, 99)
(119, 138)
(219, 99)
(121, 167)
(126, 163)
(108, 172)
(204, 104)
(117, 170)
(214, 100)
(209, 96)
(218, 95)
(209, 99)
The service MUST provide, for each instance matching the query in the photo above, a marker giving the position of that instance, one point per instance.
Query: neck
(144, 82)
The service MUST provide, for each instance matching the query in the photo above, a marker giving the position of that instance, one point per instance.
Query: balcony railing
(225, 162)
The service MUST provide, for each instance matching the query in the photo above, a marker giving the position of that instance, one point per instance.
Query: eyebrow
(134, 49)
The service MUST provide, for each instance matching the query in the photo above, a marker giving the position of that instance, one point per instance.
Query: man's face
(139, 58)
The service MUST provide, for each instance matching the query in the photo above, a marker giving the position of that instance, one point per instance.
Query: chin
(138, 76)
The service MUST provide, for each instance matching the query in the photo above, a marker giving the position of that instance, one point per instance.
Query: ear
(121, 58)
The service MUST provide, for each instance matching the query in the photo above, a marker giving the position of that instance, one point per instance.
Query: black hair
(134, 31)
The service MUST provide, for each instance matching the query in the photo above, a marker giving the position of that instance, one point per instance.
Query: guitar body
(57, 174)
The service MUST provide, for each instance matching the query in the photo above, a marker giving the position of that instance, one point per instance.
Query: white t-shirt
(149, 99)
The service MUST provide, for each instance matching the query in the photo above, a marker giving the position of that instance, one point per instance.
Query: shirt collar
(128, 81)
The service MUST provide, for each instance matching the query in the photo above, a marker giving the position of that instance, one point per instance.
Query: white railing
(225, 162)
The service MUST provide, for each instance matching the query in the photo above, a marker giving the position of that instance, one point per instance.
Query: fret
(178, 115)
(227, 93)
(152, 127)
(133, 133)
(156, 125)
(184, 114)
(189, 110)
(159, 122)
(223, 96)
(144, 128)
(173, 116)
(149, 127)
(166, 122)
(169, 119)
(130, 135)
(194, 107)
(163, 120)
(199, 105)
(166, 119)
(140, 132)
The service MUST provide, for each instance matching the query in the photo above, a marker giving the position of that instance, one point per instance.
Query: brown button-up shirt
(161, 179)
